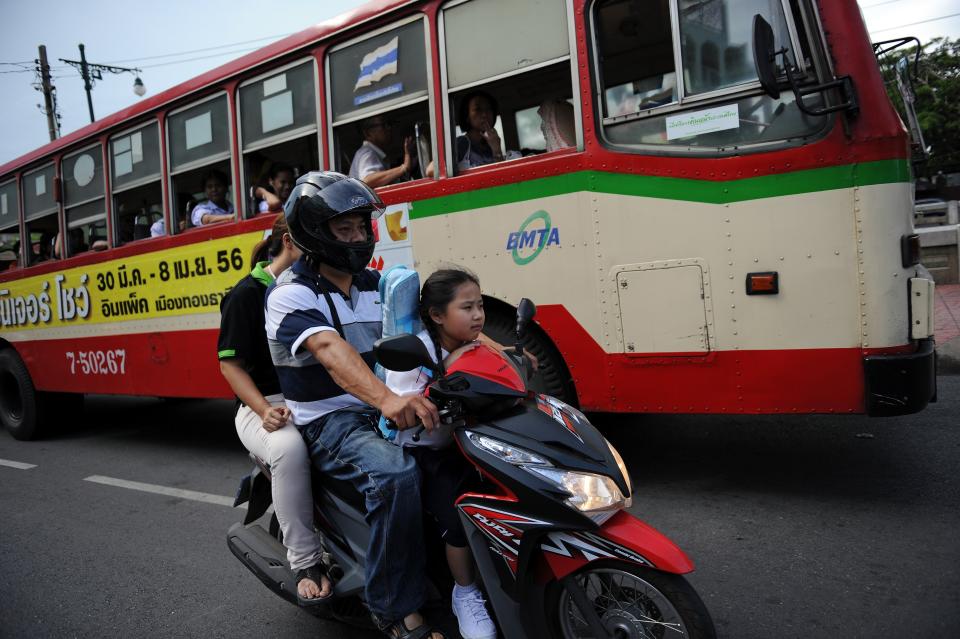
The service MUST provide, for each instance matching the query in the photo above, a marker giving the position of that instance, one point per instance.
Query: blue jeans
(345, 444)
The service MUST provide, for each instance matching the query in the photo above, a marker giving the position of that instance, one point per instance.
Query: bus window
(644, 101)
(278, 123)
(198, 143)
(83, 200)
(513, 84)
(137, 193)
(9, 219)
(380, 98)
(40, 213)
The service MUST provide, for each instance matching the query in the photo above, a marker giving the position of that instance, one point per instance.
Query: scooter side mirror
(402, 353)
(525, 312)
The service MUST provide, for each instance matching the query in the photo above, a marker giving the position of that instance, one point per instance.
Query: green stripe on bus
(671, 188)
(227, 353)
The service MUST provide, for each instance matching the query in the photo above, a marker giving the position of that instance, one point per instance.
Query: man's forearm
(385, 177)
(347, 368)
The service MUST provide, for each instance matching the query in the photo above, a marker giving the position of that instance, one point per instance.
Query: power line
(166, 55)
(203, 57)
(222, 46)
(913, 24)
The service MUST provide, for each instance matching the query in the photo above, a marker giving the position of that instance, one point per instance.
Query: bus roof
(291, 43)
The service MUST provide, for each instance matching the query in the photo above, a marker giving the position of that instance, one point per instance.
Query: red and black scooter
(558, 554)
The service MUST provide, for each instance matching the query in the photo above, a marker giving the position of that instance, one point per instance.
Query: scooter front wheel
(630, 602)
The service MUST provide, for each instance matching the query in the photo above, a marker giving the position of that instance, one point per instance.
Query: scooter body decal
(503, 528)
(589, 546)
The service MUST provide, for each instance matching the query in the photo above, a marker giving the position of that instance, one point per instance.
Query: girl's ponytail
(270, 246)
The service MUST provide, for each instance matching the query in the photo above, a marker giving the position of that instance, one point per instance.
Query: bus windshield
(714, 101)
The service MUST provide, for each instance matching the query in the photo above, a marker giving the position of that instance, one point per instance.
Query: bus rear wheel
(553, 378)
(19, 412)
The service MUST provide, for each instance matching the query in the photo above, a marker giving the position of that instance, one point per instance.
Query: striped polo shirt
(296, 309)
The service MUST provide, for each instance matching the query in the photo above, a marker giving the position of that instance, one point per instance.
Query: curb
(948, 357)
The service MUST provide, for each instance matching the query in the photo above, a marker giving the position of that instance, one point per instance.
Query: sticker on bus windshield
(711, 120)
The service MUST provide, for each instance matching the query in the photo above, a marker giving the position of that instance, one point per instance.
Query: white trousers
(286, 452)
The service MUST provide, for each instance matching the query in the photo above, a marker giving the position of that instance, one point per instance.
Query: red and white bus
(710, 208)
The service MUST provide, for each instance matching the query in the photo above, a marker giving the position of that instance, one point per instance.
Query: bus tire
(19, 411)
(553, 378)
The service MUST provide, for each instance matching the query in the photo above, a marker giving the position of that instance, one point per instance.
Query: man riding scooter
(322, 318)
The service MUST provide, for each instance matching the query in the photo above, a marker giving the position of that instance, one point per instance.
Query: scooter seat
(344, 490)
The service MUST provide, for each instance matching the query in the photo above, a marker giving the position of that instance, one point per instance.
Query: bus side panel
(164, 364)
(827, 380)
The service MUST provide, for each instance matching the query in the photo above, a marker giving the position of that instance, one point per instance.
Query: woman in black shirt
(262, 416)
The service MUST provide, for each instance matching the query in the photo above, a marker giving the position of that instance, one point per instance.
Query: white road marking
(220, 500)
(13, 464)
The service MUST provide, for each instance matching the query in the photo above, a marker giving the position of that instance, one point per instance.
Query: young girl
(452, 312)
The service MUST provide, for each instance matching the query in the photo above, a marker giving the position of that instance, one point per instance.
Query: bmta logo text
(535, 234)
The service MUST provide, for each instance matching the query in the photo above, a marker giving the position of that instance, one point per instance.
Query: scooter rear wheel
(632, 602)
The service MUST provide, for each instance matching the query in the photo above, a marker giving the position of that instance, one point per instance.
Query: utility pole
(90, 72)
(87, 84)
(49, 101)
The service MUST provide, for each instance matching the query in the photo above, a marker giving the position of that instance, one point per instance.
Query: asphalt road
(800, 526)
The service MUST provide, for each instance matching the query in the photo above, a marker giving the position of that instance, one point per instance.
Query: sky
(174, 40)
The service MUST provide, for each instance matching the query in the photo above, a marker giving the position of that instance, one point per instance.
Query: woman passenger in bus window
(215, 209)
(262, 416)
(480, 143)
(557, 124)
(280, 182)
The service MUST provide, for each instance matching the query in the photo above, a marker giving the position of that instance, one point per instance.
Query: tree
(937, 100)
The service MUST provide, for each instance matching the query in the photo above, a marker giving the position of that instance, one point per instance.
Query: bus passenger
(480, 143)
(215, 209)
(322, 321)
(557, 124)
(8, 260)
(368, 162)
(451, 309)
(280, 182)
(43, 250)
(159, 228)
(262, 416)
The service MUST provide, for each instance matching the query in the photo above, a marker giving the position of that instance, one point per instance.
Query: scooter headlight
(596, 496)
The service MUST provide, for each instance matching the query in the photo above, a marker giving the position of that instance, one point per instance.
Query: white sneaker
(471, 612)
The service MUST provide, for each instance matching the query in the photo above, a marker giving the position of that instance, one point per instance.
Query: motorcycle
(557, 553)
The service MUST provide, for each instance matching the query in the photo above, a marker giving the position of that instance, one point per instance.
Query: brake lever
(445, 418)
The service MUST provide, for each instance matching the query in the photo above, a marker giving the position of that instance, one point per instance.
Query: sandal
(315, 573)
(398, 629)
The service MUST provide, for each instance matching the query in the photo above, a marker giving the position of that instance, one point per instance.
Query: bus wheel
(553, 378)
(18, 398)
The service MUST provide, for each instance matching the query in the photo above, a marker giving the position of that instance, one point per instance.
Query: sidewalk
(947, 328)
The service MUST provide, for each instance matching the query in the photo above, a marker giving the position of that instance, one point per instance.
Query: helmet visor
(340, 198)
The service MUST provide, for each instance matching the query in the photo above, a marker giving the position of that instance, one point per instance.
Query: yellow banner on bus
(179, 281)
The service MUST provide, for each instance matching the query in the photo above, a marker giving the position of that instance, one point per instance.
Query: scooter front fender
(624, 537)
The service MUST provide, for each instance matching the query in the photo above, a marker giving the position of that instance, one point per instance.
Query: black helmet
(317, 198)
